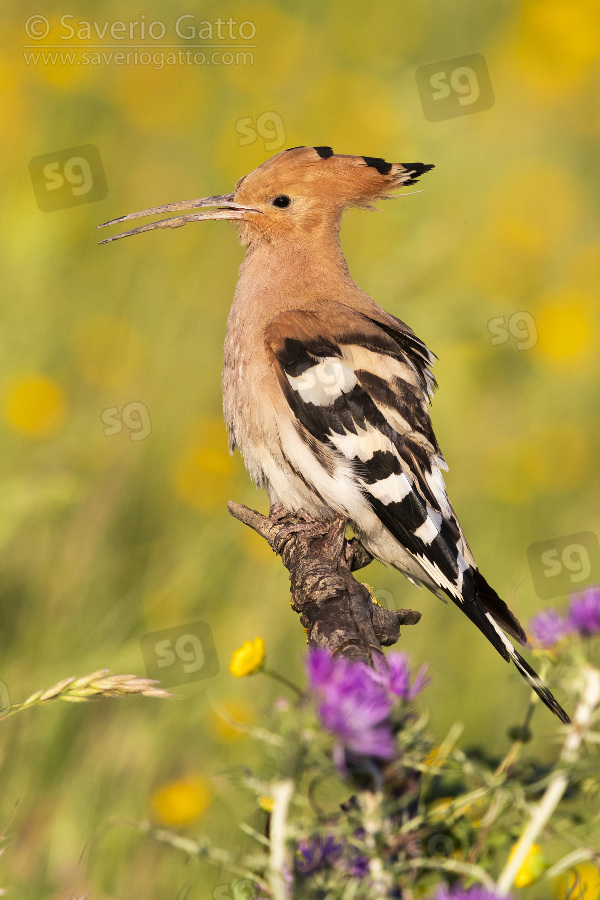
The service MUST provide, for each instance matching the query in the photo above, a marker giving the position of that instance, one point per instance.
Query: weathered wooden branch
(336, 610)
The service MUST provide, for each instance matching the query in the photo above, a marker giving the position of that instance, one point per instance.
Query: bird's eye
(281, 201)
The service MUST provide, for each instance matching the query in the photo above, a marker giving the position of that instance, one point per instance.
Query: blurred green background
(106, 538)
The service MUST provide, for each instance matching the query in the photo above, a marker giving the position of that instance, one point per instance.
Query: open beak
(227, 209)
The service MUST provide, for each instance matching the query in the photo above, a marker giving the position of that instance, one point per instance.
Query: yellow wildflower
(532, 866)
(181, 802)
(267, 803)
(247, 658)
(582, 882)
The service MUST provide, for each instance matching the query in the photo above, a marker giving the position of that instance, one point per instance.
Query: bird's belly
(297, 471)
(294, 477)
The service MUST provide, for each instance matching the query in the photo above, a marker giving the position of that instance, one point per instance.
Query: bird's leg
(298, 522)
(356, 555)
(277, 512)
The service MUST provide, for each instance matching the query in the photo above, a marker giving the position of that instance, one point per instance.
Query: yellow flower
(266, 803)
(247, 658)
(34, 405)
(181, 802)
(532, 866)
(582, 882)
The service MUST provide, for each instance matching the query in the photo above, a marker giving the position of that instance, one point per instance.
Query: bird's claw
(303, 525)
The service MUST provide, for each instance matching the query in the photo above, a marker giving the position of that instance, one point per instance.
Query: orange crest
(343, 180)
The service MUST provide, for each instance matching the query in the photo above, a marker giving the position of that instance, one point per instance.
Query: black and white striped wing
(362, 386)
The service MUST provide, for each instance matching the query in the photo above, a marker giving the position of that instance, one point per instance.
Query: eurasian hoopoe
(326, 394)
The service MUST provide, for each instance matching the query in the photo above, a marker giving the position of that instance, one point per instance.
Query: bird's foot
(278, 512)
(298, 523)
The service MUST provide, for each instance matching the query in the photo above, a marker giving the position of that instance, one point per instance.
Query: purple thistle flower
(549, 627)
(398, 676)
(317, 853)
(357, 865)
(323, 852)
(473, 893)
(353, 705)
(584, 611)
(319, 667)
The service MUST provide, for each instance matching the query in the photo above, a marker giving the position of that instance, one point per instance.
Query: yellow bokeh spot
(181, 802)
(560, 42)
(363, 106)
(532, 866)
(534, 204)
(530, 210)
(159, 96)
(34, 405)
(582, 882)
(584, 268)
(57, 66)
(237, 710)
(13, 105)
(520, 233)
(248, 658)
(256, 547)
(515, 471)
(548, 460)
(567, 330)
(284, 57)
(108, 351)
(203, 471)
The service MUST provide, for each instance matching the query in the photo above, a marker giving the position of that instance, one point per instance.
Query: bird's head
(296, 191)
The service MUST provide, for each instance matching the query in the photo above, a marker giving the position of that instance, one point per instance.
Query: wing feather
(360, 385)
(363, 387)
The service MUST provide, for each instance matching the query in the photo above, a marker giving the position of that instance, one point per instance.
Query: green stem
(282, 679)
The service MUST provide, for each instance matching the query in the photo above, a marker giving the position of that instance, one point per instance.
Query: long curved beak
(227, 209)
